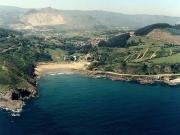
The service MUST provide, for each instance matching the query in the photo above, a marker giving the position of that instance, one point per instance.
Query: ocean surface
(77, 105)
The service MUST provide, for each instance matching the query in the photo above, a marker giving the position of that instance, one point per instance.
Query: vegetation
(122, 53)
(17, 62)
(116, 41)
(141, 55)
(148, 29)
(173, 31)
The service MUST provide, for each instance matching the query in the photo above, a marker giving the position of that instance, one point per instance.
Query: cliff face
(43, 19)
(14, 99)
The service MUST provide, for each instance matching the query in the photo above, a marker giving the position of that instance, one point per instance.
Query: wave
(52, 74)
(15, 114)
(61, 73)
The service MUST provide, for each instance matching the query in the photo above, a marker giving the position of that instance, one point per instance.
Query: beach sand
(175, 81)
(42, 68)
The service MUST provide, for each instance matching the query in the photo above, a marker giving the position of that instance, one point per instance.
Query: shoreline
(44, 68)
(142, 79)
(23, 94)
(81, 68)
(16, 106)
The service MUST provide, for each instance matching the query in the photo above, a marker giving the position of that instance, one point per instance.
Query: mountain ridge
(21, 18)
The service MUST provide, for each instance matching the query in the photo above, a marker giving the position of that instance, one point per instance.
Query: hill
(17, 60)
(145, 30)
(49, 18)
(154, 49)
(134, 57)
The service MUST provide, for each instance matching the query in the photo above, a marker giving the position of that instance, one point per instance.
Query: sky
(152, 7)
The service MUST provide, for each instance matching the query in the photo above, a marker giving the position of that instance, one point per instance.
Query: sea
(72, 104)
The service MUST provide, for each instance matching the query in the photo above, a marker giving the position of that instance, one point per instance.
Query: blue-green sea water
(78, 105)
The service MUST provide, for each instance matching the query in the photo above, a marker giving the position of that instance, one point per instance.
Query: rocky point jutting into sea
(14, 99)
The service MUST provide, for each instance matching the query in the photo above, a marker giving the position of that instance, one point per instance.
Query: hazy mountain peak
(43, 17)
(42, 10)
(76, 19)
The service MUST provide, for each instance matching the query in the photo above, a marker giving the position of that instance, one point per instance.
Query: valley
(150, 54)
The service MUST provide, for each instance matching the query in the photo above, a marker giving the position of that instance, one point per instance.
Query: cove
(78, 105)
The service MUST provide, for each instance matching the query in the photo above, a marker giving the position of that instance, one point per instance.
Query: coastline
(142, 79)
(81, 68)
(7, 103)
(14, 99)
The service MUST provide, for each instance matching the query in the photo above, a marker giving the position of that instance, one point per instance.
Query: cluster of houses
(77, 42)
(87, 57)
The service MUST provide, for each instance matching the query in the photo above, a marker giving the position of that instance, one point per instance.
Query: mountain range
(49, 18)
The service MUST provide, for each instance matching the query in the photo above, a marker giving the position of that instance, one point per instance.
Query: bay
(78, 105)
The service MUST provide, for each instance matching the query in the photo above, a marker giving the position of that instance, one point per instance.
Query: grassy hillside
(146, 52)
(115, 51)
(145, 30)
(18, 57)
(173, 59)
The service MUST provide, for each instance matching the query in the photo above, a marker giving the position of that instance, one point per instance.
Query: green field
(57, 54)
(168, 60)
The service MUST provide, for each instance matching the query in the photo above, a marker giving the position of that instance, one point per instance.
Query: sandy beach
(42, 68)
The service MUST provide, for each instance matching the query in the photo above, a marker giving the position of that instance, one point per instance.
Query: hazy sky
(157, 7)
